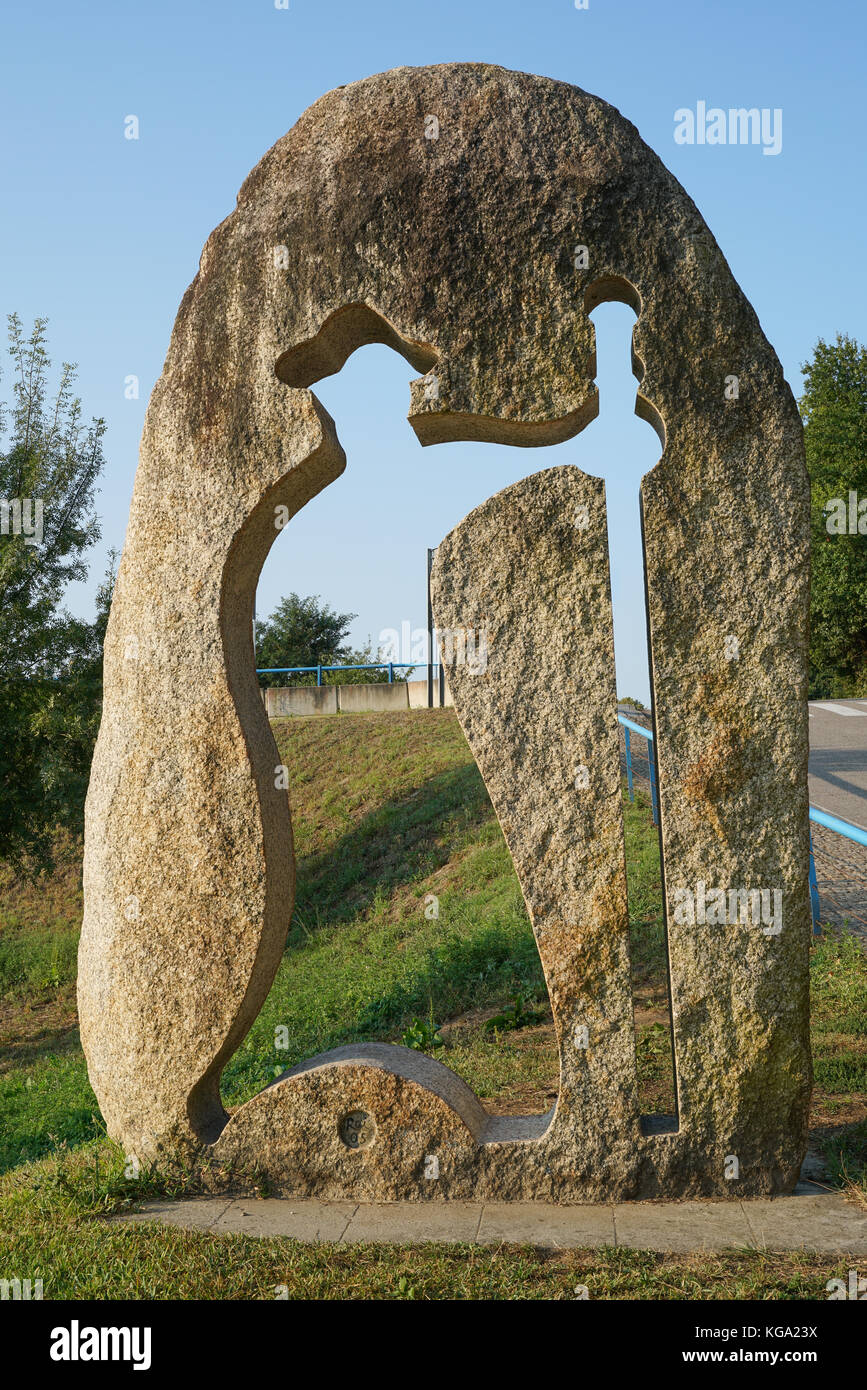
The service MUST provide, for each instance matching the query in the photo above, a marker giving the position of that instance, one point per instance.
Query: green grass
(39, 926)
(49, 1105)
(387, 811)
(54, 1225)
(644, 886)
(36, 962)
(839, 1015)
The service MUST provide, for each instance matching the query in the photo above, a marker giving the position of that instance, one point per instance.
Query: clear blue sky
(102, 234)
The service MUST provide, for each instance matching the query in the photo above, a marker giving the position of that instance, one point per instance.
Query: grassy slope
(387, 811)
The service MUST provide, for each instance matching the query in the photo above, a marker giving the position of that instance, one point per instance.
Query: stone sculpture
(470, 218)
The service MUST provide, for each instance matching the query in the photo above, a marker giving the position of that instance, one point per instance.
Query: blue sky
(102, 234)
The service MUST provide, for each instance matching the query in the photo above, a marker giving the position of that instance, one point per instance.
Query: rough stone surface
(460, 253)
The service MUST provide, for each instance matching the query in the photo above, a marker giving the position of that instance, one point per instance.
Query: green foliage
(49, 1105)
(834, 411)
(364, 656)
(50, 663)
(301, 632)
(846, 1157)
(422, 1036)
(35, 962)
(518, 1014)
(48, 457)
(306, 632)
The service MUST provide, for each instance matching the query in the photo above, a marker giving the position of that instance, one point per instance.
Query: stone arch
(460, 253)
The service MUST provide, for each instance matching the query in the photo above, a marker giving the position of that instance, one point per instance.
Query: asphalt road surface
(838, 758)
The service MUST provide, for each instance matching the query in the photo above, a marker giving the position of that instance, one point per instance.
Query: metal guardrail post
(430, 634)
(391, 673)
(318, 675)
(814, 892)
(654, 801)
(629, 765)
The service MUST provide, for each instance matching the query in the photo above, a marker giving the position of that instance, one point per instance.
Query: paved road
(838, 758)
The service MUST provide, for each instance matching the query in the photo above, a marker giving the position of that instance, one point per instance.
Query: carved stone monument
(470, 218)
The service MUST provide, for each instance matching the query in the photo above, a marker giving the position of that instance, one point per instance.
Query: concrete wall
(418, 694)
(354, 698)
(304, 700)
(300, 700)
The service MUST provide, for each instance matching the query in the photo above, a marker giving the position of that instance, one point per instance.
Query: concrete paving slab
(540, 1223)
(308, 1220)
(822, 1221)
(412, 1222)
(193, 1213)
(826, 1223)
(681, 1226)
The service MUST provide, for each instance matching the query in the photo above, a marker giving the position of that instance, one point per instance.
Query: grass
(407, 908)
(55, 1225)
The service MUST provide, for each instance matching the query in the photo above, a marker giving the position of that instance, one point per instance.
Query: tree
(301, 632)
(834, 410)
(306, 632)
(50, 663)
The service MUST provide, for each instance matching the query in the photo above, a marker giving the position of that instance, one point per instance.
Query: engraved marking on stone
(732, 1167)
(357, 1129)
(431, 1166)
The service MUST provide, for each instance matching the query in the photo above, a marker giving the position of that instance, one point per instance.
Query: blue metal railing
(844, 828)
(390, 666)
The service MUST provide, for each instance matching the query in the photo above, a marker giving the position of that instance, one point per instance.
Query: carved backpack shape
(478, 255)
